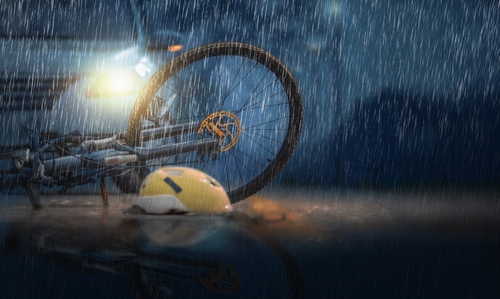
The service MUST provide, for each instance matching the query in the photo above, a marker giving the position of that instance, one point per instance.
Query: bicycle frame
(97, 157)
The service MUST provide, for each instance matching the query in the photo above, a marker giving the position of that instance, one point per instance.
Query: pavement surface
(281, 243)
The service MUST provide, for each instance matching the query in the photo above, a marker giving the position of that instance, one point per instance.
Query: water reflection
(160, 256)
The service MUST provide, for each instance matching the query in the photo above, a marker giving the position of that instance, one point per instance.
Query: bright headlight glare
(116, 83)
(142, 69)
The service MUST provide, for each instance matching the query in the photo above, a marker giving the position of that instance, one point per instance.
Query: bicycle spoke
(250, 99)
(256, 105)
(251, 158)
(266, 123)
(266, 137)
(231, 88)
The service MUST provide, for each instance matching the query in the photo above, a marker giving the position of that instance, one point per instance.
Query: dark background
(395, 91)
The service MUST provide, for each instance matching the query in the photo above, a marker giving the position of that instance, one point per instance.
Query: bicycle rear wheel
(236, 92)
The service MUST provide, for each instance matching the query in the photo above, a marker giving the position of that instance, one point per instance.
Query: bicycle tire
(200, 57)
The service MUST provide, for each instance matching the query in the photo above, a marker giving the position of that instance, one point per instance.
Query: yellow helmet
(183, 189)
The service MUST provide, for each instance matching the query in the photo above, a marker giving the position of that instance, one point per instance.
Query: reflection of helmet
(177, 231)
(183, 189)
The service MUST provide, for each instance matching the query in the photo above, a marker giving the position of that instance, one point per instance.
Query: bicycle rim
(238, 93)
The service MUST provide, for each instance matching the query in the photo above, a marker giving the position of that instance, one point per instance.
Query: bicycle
(230, 109)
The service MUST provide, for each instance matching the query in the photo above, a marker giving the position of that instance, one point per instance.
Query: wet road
(282, 243)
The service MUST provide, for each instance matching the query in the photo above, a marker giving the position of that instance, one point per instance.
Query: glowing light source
(142, 69)
(116, 83)
(175, 48)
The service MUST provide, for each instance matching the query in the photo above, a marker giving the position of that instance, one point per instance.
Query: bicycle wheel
(236, 92)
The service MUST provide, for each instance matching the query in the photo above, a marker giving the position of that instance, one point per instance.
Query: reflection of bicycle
(229, 109)
(163, 256)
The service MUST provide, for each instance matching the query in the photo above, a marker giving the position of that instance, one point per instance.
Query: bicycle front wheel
(238, 93)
